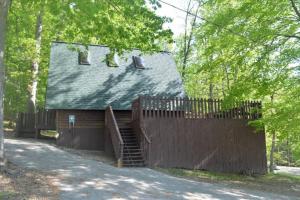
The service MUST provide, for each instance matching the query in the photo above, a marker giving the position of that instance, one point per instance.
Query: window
(138, 62)
(112, 60)
(83, 58)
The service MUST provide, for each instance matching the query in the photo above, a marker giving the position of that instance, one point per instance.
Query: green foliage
(250, 50)
(122, 25)
(279, 178)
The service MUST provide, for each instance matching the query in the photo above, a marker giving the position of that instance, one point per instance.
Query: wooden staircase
(132, 154)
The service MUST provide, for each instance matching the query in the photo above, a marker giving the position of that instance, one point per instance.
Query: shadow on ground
(89, 179)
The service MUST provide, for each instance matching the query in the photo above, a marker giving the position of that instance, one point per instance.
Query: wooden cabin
(133, 107)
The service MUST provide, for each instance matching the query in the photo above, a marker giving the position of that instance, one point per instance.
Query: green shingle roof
(95, 86)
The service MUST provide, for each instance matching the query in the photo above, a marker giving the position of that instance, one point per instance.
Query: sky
(177, 26)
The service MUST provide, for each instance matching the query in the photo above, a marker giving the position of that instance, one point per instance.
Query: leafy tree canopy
(249, 50)
(121, 25)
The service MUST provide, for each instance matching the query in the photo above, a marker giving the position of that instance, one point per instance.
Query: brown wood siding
(224, 145)
(89, 129)
(83, 119)
(87, 133)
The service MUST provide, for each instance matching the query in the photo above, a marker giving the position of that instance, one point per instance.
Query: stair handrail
(112, 126)
(137, 122)
(145, 136)
(145, 142)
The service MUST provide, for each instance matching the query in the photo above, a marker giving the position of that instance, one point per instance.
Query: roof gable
(95, 86)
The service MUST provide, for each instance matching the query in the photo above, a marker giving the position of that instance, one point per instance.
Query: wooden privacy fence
(200, 134)
(25, 122)
(28, 124)
(45, 119)
(150, 106)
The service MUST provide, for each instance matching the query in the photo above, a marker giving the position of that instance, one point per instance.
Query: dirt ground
(17, 183)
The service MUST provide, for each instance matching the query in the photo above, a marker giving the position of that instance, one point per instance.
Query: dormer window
(138, 62)
(112, 60)
(83, 58)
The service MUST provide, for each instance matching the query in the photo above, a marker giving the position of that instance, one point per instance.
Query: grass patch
(9, 125)
(203, 175)
(215, 176)
(49, 133)
(277, 183)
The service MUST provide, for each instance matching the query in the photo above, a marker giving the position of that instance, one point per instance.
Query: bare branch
(186, 25)
(295, 8)
(188, 40)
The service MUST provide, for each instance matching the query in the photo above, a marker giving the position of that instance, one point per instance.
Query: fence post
(18, 126)
(140, 107)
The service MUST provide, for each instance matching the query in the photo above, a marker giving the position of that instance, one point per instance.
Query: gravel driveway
(288, 170)
(82, 178)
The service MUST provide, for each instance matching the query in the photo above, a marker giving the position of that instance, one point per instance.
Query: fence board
(197, 108)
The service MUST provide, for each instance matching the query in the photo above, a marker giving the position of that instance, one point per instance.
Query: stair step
(132, 156)
(137, 153)
(129, 138)
(134, 165)
(131, 141)
(136, 159)
(132, 153)
(128, 134)
(130, 144)
(126, 129)
(133, 161)
(132, 149)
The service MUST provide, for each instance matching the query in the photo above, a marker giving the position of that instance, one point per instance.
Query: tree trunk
(4, 5)
(288, 150)
(185, 38)
(273, 133)
(211, 91)
(35, 62)
(271, 167)
(227, 77)
(188, 39)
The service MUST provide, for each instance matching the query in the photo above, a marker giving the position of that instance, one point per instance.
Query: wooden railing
(148, 106)
(117, 141)
(137, 124)
(145, 144)
(31, 122)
